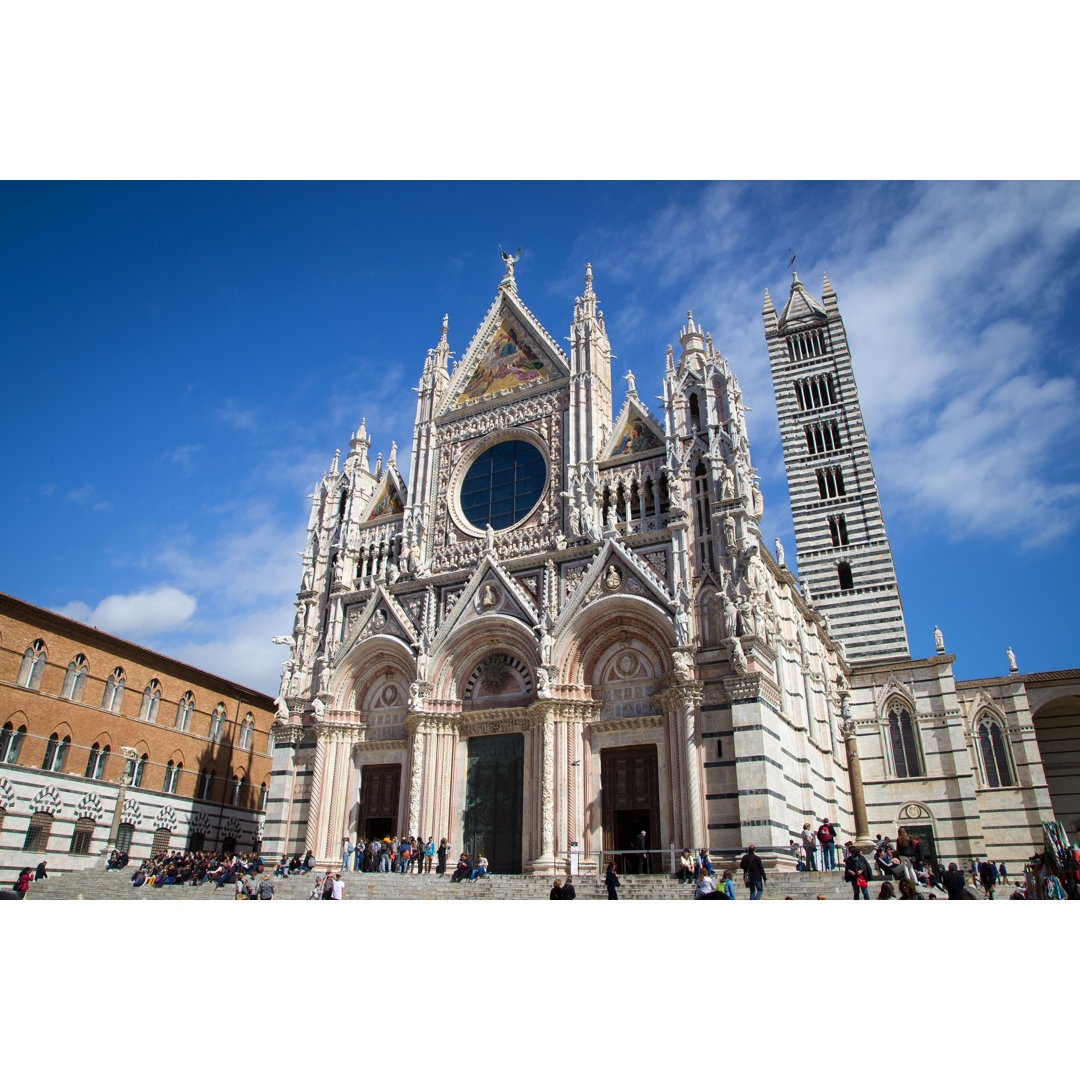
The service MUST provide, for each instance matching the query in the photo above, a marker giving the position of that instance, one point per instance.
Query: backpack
(824, 834)
(266, 890)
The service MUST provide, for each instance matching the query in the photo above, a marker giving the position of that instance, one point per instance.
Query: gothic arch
(595, 631)
(464, 652)
(364, 664)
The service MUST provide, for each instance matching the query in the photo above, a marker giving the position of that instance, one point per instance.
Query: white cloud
(136, 615)
(87, 496)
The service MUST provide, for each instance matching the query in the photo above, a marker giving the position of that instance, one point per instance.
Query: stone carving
(90, 807)
(200, 823)
(684, 670)
(378, 620)
(166, 819)
(730, 614)
(682, 620)
(612, 578)
(728, 527)
(318, 707)
(7, 794)
(727, 482)
(779, 552)
(131, 813)
(231, 828)
(1012, 659)
(738, 657)
(543, 683)
(939, 641)
(489, 596)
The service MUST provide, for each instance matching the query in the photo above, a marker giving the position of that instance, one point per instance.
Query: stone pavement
(106, 885)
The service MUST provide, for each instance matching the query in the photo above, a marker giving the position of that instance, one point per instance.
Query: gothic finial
(670, 360)
(333, 464)
(445, 323)
(378, 464)
(795, 278)
(588, 281)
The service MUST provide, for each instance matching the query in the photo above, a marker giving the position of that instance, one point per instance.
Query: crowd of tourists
(219, 868)
(395, 855)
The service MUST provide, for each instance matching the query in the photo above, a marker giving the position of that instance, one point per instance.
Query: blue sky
(182, 360)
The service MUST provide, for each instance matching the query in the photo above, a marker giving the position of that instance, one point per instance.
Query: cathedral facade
(563, 629)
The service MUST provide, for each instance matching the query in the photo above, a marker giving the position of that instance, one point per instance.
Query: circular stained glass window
(503, 484)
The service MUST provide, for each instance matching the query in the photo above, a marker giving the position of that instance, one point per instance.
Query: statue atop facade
(779, 553)
(939, 641)
(1012, 659)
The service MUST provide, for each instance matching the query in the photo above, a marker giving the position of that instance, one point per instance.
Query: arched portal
(1057, 730)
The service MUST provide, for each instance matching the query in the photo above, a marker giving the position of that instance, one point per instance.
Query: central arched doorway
(493, 801)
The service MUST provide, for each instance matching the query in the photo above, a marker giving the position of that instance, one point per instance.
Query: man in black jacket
(954, 882)
(754, 873)
(856, 866)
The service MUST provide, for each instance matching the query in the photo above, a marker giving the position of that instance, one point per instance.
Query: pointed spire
(828, 293)
(588, 280)
(378, 466)
(767, 306)
(359, 443)
(333, 464)
(670, 366)
(438, 359)
(445, 324)
(585, 305)
(691, 339)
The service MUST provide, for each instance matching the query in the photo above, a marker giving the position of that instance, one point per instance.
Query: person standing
(358, 861)
(41, 874)
(23, 883)
(337, 888)
(753, 873)
(954, 882)
(857, 871)
(641, 861)
(556, 891)
(988, 875)
(1001, 874)
(809, 843)
(568, 890)
(440, 868)
(611, 880)
(346, 851)
(827, 835)
(429, 854)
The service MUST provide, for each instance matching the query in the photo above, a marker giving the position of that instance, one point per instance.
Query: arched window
(904, 743)
(81, 837)
(185, 707)
(55, 752)
(114, 691)
(33, 666)
(75, 679)
(102, 762)
(206, 784)
(38, 832)
(167, 781)
(217, 722)
(843, 572)
(695, 413)
(269, 744)
(247, 732)
(995, 756)
(10, 742)
(151, 699)
(176, 777)
(234, 790)
(92, 760)
(124, 836)
(137, 774)
(262, 796)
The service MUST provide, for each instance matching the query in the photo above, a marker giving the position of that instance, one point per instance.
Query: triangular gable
(635, 432)
(381, 615)
(490, 591)
(389, 498)
(510, 351)
(801, 305)
(895, 688)
(614, 571)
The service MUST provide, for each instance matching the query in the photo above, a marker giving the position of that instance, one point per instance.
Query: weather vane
(791, 261)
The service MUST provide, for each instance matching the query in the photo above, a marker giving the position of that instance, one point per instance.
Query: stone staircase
(110, 885)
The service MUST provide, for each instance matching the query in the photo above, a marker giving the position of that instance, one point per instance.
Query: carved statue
(727, 482)
(489, 538)
(806, 591)
(675, 495)
(746, 614)
(414, 556)
(488, 596)
(305, 581)
(416, 696)
(1012, 659)
(682, 622)
(612, 579)
(779, 552)
(337, 567)
(318, 707)
(684, 669)
(543, 683)
(610, 517)
(738, 657)
(547, 646)
(282, 712)
(729, 535)
(939, 640)
(731, 613)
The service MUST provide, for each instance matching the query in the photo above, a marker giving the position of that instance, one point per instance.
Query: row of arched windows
(33, 668)
(993, 753)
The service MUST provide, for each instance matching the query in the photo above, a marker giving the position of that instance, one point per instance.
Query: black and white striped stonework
(842, 548)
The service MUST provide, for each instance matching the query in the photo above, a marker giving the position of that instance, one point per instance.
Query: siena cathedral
(564, 628)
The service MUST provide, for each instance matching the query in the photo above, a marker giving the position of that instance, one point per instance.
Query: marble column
(686, 698)
(545, 864)
(862, 839)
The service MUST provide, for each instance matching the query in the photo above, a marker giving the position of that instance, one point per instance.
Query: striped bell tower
(844, 559)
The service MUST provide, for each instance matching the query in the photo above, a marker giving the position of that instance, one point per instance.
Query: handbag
(860, 882)
(746, 880)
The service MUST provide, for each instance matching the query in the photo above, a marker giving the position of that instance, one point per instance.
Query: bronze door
(493, 801)
(630, 800)
(380, 787)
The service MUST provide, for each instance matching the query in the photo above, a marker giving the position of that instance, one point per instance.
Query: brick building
(103, 742)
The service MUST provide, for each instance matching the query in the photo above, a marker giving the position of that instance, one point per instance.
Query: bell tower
(844, 559)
